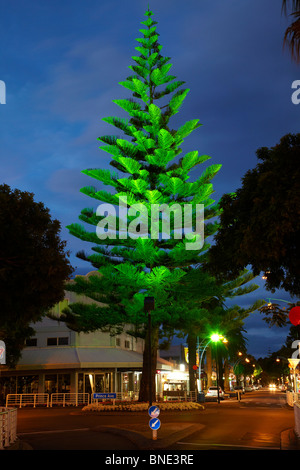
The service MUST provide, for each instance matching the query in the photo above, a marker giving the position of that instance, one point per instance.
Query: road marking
(227, 445)
(52, 432)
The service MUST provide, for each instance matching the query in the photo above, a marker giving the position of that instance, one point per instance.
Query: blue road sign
(154, 423)
(99, 396)
(153, 411)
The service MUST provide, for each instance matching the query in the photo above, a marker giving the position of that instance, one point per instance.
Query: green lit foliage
(148, 172)
(147, 169)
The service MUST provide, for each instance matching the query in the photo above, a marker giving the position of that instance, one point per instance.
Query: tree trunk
(221, 370)
(144, 394)
(226, 374)
(192, 345)
(209, 366)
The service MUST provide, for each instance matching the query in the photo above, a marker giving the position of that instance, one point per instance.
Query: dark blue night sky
(62, 61)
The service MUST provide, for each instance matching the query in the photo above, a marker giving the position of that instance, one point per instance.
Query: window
(127, 344)
(118, 342)
(51, 341)
(27, 384)
(62, 341)
(31, 342)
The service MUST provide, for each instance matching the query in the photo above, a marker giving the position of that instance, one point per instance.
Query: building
(59, 360)
(177, 379)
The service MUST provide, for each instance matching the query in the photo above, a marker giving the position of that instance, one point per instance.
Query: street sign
(2, 353)
(153, 411)
(154, 424)
(103, 396)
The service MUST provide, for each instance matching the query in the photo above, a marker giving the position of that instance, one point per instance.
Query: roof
(82, 357)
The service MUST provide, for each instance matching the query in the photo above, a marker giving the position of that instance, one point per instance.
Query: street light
(200, 361)
(215, 338)
(235, 369)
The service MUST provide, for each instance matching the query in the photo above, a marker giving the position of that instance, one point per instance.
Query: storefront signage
(186, 355)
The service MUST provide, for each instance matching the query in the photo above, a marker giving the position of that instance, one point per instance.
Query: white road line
(52, 432)
(226, 445)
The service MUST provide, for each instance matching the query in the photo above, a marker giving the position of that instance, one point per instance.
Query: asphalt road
(256, 422)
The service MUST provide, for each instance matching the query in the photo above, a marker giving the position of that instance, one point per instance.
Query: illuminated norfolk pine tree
(146, 172)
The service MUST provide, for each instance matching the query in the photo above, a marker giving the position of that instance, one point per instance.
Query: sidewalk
(289, 440)
(139, 435)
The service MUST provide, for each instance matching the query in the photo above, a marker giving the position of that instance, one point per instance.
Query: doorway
(97, 383)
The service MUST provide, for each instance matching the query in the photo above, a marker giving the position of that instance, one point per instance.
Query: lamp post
(200, 362)
(279, 359)
(215, 338)
(235, 371)
(148, 306)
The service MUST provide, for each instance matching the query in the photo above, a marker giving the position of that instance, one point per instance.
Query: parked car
(282, 388)
(213, 392)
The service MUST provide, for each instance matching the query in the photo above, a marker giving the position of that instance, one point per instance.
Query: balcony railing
(78, 399)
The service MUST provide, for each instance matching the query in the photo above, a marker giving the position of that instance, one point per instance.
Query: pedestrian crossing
(262, 404)
(252, 402)
(259, 403)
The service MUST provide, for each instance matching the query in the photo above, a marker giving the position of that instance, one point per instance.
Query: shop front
(94, 381)
(174, 383)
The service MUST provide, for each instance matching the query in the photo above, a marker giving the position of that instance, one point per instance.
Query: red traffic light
(294, 316)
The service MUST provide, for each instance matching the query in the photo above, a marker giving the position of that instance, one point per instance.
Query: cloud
(62, 66)
(67, 181)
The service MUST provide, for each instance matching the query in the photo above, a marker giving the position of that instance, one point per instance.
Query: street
(255, 422)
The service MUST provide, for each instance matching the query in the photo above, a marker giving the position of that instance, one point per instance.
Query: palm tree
(292, 34)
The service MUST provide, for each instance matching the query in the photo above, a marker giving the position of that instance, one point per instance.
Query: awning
(83, 357)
